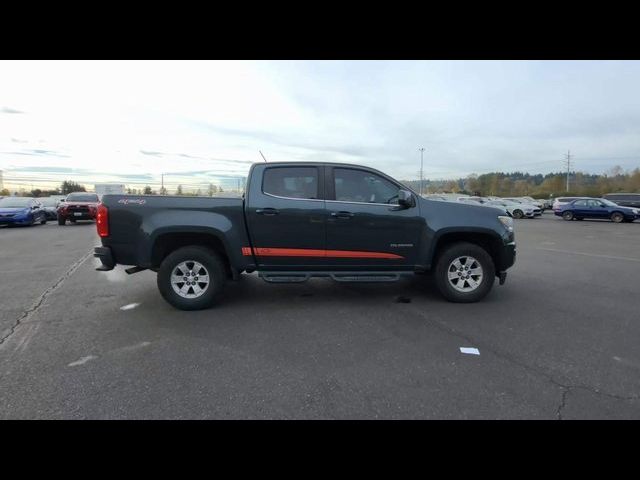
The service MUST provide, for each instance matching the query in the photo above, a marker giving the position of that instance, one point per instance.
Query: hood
(13, 209)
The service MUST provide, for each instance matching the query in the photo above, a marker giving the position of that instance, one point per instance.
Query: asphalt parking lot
(560, 340)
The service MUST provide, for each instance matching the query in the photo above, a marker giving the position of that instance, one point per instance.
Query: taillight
(102, 221)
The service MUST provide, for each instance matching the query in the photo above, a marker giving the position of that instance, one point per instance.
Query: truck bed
(137, 222)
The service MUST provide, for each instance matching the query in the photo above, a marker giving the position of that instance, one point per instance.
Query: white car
(537, 211)
(516, 210)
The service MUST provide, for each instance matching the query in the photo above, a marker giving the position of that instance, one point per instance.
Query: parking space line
(612, 257)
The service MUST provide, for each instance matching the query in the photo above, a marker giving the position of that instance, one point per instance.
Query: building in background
(109, 189)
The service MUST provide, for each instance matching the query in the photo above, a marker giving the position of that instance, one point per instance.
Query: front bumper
(506, 259)
(106, 258)
(17, 220)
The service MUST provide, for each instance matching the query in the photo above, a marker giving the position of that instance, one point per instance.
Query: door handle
(342, 214)
(266, 211)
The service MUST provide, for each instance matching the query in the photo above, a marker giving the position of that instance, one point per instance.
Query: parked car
(21, 211)
(516, 210)
(299, 220)
(560, 202)
(533, 201)
(78, 206)
(624, 199)
(537, 211)
(50, 207)
(597, 208)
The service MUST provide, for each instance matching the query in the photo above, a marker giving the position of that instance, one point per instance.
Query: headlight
(507, 222)
(636, 211)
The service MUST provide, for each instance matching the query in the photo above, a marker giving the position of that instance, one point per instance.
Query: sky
(205, 121)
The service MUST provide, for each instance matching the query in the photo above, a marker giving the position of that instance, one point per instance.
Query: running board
(364, 277)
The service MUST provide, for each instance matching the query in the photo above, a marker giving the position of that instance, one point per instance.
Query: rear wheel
(191, 278)
(617, 217)
(464, 273)
(567, 215)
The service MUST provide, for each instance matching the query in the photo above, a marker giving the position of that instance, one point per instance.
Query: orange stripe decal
(307, 252)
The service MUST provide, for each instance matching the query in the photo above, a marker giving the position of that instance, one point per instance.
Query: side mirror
(406, 199)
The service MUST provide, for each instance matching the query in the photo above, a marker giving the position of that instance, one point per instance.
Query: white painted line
(131, 306)
(82, 361)
(612, 257)
(470, 351)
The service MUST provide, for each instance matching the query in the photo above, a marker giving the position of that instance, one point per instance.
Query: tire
(183, 260)
(617, 217)
(62, 220)
(446, 266)
(518, 214)
(567, 216)
(43, 221)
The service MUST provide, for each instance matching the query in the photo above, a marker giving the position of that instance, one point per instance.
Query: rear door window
(291, 182)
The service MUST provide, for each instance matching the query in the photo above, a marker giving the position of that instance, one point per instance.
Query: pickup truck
(299, 220)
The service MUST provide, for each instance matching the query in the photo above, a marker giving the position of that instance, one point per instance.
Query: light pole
(421, 166)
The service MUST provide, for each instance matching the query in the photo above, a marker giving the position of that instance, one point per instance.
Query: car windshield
(15, 202)
(48, 201)
(608, 203)
(82, 197)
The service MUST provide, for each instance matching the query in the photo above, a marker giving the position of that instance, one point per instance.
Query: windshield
(48, 201)
(15, 202)
(82, 197)
(608, 203)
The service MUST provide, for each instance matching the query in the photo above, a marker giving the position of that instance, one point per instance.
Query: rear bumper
(106, 258)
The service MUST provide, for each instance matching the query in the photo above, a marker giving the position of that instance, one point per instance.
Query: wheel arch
(487, 239)
(168, 241)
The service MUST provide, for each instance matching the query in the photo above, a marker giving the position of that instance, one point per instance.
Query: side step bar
(299, 277)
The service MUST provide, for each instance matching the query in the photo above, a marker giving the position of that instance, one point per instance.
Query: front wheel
(191, 278)
(62, 220)
(464, 273)
(617, 217)
(518, 214)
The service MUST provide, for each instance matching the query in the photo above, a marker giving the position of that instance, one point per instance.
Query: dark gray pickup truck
(300, 220)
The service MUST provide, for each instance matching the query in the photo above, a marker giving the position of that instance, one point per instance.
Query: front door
(365, 225)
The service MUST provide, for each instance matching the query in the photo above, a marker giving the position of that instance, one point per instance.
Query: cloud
(153, 154)
(37, 152)
(9, 110)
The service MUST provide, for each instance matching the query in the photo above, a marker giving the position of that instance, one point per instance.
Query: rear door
(286, 217)
(366, 228)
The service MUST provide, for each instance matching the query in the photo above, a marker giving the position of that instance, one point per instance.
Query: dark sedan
(50, 206)
(597, 208)
(21, 211)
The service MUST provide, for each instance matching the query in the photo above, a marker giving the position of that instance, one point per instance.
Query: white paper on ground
(130, 306)
(470, 351)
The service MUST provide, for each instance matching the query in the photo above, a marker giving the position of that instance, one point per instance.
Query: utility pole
(421, 166)
(162, 192)
(568, 167)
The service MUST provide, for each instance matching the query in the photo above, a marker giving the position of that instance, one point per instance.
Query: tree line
(517, 184)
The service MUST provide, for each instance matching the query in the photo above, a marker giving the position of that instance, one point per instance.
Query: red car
(78, 206)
